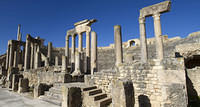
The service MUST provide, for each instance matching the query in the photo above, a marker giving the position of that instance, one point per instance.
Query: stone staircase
(94, 97)
(54, 95)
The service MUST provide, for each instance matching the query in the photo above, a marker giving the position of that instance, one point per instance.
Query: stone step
(51, 100)
(99, 96)
(94, 92)
(89, 88)
(55, 90)
(104, 102)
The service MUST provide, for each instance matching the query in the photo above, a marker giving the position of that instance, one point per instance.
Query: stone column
(64, 64)
(67, 46)
(158, 36)
(19, 38)
(73, 49)
(77, 65)
(49, 55)
(11, 56)
(93, 53)
(27, 54)
(15, 59)
(118, 45)
(143, 42)
(37, 62)
(56, 61)
(7, 55)
(80, 44)
(87, 66)
(32, 55)
(46, 62)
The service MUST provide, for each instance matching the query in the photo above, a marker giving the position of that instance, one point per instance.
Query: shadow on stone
(129, 94)
(144, 101)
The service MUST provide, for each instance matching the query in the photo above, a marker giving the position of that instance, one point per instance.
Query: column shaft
(56, 61)
(73, 49)
(118, 45)
(27, 54)
(15, 59)
(49, 52)
(67, 46)
(158, 36)
(11, 56)
(87, 61)
(80, 44)
(7, 56)
(143, 42)
(93, 53)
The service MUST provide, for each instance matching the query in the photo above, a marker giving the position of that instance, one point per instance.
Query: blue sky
(50, 19)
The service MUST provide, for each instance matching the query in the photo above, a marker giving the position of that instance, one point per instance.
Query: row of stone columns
(158, 38)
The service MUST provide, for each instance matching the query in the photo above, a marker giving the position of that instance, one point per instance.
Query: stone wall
(157, 86)
(194, 75)
(49, 78)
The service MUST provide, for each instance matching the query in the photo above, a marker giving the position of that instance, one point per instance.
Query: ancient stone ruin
(145, 72)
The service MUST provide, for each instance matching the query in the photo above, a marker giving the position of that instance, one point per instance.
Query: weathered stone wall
(194, 75)
(158, 86)
(36, 76)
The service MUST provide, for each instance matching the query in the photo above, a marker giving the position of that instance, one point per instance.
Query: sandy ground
(13, 99)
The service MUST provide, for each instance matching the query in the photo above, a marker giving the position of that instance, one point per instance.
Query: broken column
(158, 36)
(27, 54)
(49, 55)
(64, 64)
(19, 36)
(118, 45)
(56, 61)
(143, 42)
(93, 53)
(77, 64)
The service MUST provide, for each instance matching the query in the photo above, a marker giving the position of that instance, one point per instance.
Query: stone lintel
(156, 8)
(85, 22)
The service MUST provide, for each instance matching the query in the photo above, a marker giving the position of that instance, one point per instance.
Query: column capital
(156, 16)
(141, 20)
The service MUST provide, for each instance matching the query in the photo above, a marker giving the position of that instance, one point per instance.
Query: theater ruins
(142, 72)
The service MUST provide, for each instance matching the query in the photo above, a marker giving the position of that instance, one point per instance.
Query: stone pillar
(77, 65)
(7, 56)
(93, 53)
(15, 59)
(19, 38)
(80, 44)
(56, 61)
(11, 56)
(32, 55)
(27, 53)
(143, 42)
(158, 36)
(87, 66)
(37, 62)
(49, 55)
(118, 45)
(67, 46)
(73, 49)
(64, 64)
(23, 85)
(46, 62)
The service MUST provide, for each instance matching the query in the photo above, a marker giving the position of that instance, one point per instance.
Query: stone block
(40, 88)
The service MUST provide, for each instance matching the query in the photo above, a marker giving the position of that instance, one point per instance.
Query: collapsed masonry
(155, 72)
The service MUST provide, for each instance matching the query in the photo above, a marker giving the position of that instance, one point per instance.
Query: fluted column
(80, 42)
(19, 38)
(15, 64)
(118, 45)
(158, 36)
(27, 54)
(143, 43)
(93, 53)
